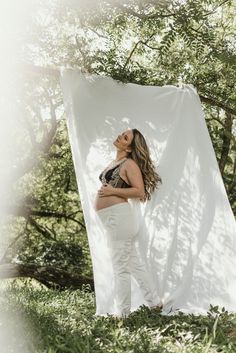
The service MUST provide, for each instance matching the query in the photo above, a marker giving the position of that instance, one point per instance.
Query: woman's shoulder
(130, 163)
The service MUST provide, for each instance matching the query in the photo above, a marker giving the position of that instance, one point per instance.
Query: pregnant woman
(131, 175)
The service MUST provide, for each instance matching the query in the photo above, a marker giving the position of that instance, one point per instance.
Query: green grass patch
(56, 322)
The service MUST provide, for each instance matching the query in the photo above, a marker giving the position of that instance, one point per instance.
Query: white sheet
(188, 230)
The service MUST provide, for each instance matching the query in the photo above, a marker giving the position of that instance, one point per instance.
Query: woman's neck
(119, 157)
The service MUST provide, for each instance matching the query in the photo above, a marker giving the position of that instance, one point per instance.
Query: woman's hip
(119, 220)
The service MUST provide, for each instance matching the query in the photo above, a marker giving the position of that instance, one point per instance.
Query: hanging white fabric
(187, 231)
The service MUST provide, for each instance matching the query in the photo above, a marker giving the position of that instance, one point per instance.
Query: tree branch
(230, 134)
(3, 259)
(56, 215)
(134, 48)
(143, 16)
(213, 102)
(50, 276)
(46, 233)
(26, 212)
(215, 8)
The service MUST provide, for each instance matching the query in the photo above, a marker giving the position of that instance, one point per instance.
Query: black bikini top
(113, 177)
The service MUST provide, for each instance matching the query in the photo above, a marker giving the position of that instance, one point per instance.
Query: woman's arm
(127, 193)
(135, 179)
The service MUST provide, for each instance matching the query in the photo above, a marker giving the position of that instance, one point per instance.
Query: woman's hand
(106, 190)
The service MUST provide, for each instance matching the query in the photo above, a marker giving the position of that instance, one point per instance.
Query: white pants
(122, 227)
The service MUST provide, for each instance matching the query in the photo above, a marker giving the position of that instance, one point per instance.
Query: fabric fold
(187, 231)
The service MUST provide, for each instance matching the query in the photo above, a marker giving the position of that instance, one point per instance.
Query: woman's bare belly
(106, 201)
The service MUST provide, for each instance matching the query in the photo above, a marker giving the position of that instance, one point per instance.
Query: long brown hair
(141, 155)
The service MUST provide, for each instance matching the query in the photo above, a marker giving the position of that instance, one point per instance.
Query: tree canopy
(143, 42)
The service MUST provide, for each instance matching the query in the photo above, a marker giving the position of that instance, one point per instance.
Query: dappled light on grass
(64, 321)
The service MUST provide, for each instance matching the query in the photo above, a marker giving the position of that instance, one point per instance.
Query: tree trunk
(50, 276)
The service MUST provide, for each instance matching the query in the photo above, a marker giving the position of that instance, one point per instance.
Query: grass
(35, 319)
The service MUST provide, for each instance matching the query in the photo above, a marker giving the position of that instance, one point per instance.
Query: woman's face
(124, 140)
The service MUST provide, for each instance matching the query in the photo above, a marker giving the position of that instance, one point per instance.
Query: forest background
(144, 42)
